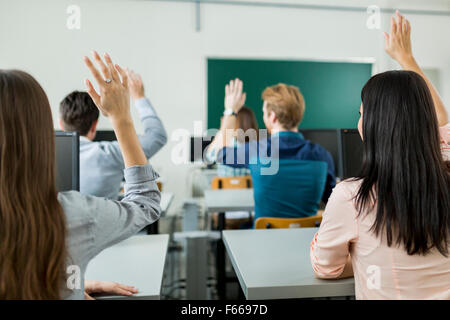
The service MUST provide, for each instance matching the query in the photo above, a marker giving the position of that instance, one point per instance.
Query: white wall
(159, 40)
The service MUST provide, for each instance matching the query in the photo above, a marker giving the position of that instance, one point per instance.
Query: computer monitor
(351, 152)
(198, 146)
(67, 147)
(327, 138)
(105, 135)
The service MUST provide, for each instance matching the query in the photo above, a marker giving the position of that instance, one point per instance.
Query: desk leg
(221, 276)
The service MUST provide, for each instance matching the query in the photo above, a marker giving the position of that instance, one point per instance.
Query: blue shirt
(281, 145)
(101, 163)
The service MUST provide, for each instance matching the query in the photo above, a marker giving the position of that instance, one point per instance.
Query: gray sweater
(94, 224)
(101, 163)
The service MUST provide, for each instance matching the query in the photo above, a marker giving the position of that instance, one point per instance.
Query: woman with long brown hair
(45, 234)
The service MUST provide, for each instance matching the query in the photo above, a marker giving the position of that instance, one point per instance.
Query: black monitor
(198, 146)
(351, 152)
(105, 135)
(67, 147)
(327, 138)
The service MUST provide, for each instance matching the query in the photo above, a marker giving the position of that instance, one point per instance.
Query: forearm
(409, 63)
(224, 137)
(132, 152)
(155, 135)
(91, 286)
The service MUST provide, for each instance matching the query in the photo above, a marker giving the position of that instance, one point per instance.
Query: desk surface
(275, 264)
(138, 261)
(229, 200)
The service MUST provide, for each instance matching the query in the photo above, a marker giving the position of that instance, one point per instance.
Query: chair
(240, 182)
(293, 190)
(237, 182)
(280, 223)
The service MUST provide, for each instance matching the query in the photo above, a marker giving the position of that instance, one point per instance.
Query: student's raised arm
(114, 102)
(398, 46)
(234, 100)
(113, 221)
(155, 135)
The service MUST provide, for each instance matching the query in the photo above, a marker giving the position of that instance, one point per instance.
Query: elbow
(323, 269)
(153, 210)
(321, 272)
(161, 139)
(154, 144)
(164, 139)
(150, 204)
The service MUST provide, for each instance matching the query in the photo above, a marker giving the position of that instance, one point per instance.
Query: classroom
(230, 150)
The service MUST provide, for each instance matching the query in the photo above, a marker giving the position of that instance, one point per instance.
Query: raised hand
(136, 85)
(234, 97)
(398, 46)
(398, 42)
(113, 100)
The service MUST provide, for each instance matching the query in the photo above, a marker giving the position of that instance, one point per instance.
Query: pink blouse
(380, 272)
(445, 140)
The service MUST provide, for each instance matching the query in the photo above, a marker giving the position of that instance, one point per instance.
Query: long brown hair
(32, 222)
(246, 119)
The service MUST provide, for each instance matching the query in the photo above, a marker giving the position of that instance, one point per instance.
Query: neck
(90, 136)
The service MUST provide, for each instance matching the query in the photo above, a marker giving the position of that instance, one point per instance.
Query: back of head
(403, 170)
(78, 112)
(246, 120)
(287, 103)
(32, 224)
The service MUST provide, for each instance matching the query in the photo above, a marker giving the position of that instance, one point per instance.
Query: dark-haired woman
(47, 238)
(389, 227)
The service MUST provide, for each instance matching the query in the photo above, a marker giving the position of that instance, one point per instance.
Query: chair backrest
(293, 191)
(240, 182)
(279, 223)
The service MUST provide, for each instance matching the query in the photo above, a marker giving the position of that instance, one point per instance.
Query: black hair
(404, 174)
(78, 112)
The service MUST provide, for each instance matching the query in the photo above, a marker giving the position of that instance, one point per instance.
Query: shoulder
(445, 140)
(100, 148)
(78, 206)
(346, 190)
(79, 213)
(316, 151)
(445, 132)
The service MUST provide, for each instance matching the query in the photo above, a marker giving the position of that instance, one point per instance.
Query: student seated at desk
(283, 111)
(390, 226)
(245, 120)
(101, 163)
(48, 238)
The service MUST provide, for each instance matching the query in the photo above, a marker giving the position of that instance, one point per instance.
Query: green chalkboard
(332, 90)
